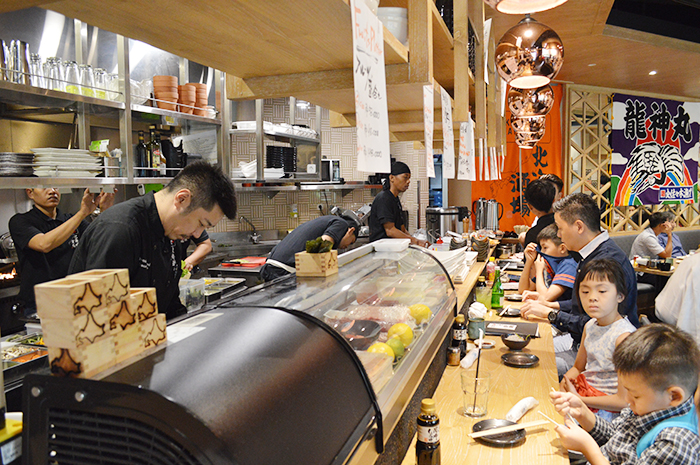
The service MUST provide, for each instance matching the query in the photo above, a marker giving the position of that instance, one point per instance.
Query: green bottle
(497, 291)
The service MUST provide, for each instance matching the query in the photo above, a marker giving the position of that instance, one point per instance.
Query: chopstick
(507, 429)
(568, 415)
(553, 422)
(504, 310)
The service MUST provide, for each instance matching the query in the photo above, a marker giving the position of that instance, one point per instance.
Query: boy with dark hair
(539, 195)
(556, 182)
(658, 365)
(555, 270)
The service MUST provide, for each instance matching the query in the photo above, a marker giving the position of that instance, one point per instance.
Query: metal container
(479, 213)
(439, 220)
(20, 62)
(492, 214)
(4, 60)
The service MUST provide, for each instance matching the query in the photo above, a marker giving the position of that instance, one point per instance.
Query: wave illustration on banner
(655, 151)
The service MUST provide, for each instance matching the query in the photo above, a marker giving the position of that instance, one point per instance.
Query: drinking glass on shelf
(113, 86)
(72, 78)
(100, 83)
(36, 70)
(87, 80)
(53, 70)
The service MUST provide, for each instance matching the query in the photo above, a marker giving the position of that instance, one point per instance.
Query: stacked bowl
(187, 98)
(166, 92)
(202, 99)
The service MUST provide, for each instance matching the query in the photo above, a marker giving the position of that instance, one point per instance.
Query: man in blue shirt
(677, 247)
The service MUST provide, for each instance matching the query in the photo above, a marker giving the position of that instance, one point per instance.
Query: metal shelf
(276, 135)
(43, 182)
(21, 94)
(173, 115)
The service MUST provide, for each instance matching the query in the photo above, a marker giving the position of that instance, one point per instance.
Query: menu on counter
(370, 90)
(448, 144)
(428, 119)
(466, 167)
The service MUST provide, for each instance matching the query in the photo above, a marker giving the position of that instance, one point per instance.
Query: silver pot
(479, 212)
(439, 220)
(493, 215)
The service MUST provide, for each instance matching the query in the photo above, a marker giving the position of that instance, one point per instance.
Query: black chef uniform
(386, 208)
(38, 267)
(130, 235)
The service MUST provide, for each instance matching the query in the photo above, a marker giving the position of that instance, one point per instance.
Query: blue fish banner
(655, 145)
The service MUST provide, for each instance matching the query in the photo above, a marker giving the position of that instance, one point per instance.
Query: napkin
(470, 358)
(521, 408)
(477, 310)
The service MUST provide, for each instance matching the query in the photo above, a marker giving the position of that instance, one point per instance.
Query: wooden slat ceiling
(622, 58)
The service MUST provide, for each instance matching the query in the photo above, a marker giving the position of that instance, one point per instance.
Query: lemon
(420, 313)
(381, 348)
(397, 346)
(403, 331)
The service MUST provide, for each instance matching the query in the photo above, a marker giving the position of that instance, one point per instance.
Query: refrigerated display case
(278, 374)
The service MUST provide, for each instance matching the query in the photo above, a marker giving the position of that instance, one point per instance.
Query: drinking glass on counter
(476, 393)
(87, 80)
(55, 77)
(72, 78)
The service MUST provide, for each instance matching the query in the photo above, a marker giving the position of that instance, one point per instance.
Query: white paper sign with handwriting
(370, 90)
(466, 165)
(428, 120)
(448, 143)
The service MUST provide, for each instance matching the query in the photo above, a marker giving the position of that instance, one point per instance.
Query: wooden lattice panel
(587, 166)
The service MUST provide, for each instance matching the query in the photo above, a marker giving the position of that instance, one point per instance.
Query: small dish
(486, 344)
(503, 439)
(515, 341)
(519, 359)
(514, 297)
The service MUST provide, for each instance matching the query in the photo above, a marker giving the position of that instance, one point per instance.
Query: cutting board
(245, 261)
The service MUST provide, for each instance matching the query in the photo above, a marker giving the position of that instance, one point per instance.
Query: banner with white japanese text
(545, 158)
(654, 151)
(448, 144)
(428, 127)
(372, 116)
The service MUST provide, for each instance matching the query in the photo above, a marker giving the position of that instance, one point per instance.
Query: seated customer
(677, 250)
(647, 245)
(554, 269)
(658, 366)
(539, 195)
(342, 232)
(678, 303)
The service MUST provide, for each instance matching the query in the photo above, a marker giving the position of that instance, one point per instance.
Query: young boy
(554, 269)
(658, 366)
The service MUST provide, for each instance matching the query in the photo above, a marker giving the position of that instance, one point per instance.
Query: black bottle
(141, 158)
(428, 440)
(459, 335)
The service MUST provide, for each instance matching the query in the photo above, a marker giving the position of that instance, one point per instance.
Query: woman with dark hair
(386, 217)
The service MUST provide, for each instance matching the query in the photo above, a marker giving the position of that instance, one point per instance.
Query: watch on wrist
(552, 316)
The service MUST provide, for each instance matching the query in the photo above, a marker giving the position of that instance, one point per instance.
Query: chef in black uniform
(143, 234)
(45, 238)
(341, 231)
(386, 217)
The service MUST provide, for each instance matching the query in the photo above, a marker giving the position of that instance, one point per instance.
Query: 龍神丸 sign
(655, 151)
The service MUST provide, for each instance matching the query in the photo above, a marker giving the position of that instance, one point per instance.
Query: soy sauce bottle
(459, 335)
(428, 441)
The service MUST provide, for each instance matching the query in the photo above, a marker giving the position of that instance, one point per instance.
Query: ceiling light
(529, 55)
(591, 64)
(526, 140)
(528, 123)
(519, 7)
(530, 102)
(652, 73)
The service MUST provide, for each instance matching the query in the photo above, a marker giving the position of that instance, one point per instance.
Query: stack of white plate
(66, 163)
(16, 164)
(454, 261)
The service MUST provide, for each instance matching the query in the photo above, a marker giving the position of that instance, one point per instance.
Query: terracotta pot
(167, 106)
(165, 81)
(166, 95)
(199, 112)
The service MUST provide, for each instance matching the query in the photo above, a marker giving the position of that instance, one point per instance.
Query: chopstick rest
(507, 429)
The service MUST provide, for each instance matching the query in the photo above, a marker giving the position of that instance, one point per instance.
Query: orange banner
(545, 157)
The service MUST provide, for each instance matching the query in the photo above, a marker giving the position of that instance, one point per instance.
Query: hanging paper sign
(448, 144)
(487, 37)
(655, 151)
(370, 90)
(483, 156)
(467, 168)
(428, 108)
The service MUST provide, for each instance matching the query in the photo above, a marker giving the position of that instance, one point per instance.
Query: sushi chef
(386, 218)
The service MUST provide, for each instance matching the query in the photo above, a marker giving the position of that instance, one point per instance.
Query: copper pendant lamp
(530, 102)
(526, 140)
(529, 55)
(519, 7)
(527, 123)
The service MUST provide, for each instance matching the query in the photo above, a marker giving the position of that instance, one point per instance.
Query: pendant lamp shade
(530, 102)
(519, 7)
(526, 140)
(527, 123)
(529, 55)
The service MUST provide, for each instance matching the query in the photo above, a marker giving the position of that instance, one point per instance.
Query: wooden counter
(508, 386)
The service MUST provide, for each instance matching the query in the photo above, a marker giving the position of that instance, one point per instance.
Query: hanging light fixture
(519, 7)
(526, 140)
(529, 55)
(527, 123)
(530, 102)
